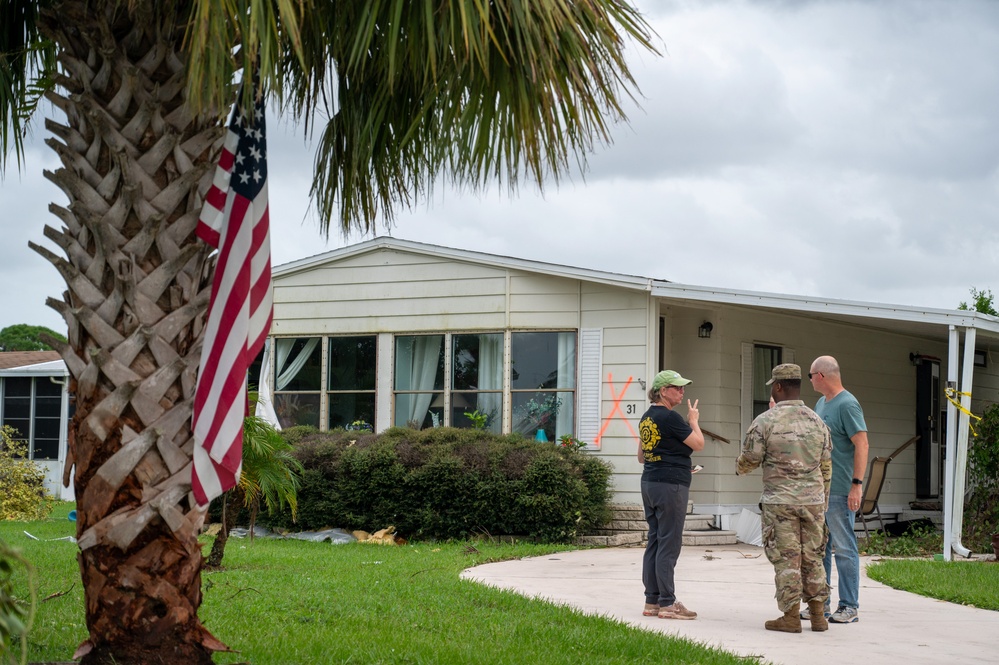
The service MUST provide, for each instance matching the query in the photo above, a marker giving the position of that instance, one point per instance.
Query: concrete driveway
(731, 588)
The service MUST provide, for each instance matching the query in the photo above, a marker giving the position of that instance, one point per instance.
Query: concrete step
(695, 538)
(617, 540)
(691, 523)
(698, 522)
(628, 527)
(713, 537)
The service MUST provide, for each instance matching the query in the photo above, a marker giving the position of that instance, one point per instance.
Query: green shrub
(918, 540)
(447, 483)
(22, 482)
(981, 514)
(15, 614)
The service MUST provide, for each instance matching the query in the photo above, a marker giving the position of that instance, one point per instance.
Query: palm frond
(475, 91)
(270, 470)
(26, 62)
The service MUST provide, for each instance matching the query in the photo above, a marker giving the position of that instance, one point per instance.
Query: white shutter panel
(591, 347)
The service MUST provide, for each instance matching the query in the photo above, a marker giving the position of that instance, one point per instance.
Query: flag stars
(250, 161)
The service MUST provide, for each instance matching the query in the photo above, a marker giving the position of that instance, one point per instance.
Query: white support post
(950, 444)
(961, 459)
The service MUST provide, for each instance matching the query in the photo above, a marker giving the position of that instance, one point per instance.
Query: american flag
(235, 220)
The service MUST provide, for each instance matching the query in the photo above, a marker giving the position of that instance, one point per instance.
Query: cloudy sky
(828, 148)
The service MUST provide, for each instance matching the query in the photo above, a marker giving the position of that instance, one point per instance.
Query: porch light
(704, 330)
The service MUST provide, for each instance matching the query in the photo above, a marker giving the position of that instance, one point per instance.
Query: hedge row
(446, 483)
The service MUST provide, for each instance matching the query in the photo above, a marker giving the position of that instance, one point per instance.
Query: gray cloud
(860, 138)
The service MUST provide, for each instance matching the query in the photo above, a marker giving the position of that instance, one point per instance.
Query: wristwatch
(858, 481)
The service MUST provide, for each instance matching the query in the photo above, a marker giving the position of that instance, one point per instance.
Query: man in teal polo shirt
(841, 411)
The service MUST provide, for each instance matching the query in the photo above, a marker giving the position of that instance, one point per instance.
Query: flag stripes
(235, 220)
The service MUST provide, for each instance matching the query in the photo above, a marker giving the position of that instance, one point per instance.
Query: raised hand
(692, 413)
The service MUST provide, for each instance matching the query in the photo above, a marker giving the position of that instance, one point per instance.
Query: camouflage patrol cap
(785, 371)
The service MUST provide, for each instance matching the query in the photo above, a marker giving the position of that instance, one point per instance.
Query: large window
(351, 380)
(543, 383)
(325, 382)
(32, 406)
(540, 371)
(297, 380)
(419, 381)
(765, 358)
(477, 380)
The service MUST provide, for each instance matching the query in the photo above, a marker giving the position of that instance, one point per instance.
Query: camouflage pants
(794, 538)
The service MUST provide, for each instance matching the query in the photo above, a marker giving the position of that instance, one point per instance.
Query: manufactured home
(35, 402)
(390, 332)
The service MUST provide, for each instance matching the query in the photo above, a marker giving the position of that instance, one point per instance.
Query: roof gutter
(807, 304)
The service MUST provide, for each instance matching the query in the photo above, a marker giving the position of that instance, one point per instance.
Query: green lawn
(974, 583)
(297, 602)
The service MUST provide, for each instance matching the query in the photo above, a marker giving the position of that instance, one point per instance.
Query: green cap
(669, 377)
(785, 371)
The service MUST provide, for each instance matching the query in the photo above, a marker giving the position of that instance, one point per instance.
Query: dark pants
(665, 511)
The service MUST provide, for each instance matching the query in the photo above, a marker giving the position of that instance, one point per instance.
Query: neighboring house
(34, 400)
(395, 332)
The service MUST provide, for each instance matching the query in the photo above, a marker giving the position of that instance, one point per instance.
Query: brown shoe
(816, 615)
(789, 623)
(650, 610)
(676, 611)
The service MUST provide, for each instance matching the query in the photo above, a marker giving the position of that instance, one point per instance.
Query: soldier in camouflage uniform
(794, 447)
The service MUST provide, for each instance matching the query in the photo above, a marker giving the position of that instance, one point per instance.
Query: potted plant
(537, 415)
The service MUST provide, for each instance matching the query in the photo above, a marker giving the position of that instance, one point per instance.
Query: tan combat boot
(816, 614)
(789, 623)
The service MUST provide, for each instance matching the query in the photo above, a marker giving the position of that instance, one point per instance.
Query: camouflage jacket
(794, 447)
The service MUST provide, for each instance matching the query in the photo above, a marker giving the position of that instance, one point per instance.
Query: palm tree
(270, 474)
(475, 91)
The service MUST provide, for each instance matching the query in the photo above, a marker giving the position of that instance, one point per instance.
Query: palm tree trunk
(218, 547)
(134, 161)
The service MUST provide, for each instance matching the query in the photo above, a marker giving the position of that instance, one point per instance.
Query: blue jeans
(843, 545)
(665, 511)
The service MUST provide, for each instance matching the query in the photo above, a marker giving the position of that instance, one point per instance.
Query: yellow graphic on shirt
(649, 432)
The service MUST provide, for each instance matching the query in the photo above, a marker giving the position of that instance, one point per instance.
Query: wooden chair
(869, 510)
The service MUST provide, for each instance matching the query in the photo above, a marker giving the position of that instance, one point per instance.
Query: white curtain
(566, 379)
(286, 371)
(265, 403)
(491, 378)
(421, 371)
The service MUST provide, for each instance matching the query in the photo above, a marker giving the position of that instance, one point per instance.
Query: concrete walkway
(731, 587)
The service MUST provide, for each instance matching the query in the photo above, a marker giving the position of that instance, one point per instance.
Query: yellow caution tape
(951, 395)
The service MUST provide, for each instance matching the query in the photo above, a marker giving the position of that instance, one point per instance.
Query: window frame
(60, 418)
(328, 392)
(279, 394)
(449, 394)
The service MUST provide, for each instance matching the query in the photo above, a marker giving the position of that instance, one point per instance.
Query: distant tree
(981, 301)
(22, 337)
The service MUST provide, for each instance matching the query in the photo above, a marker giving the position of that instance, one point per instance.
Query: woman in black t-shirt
(665, 449)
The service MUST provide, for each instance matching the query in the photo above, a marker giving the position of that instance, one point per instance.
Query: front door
(928, 449)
